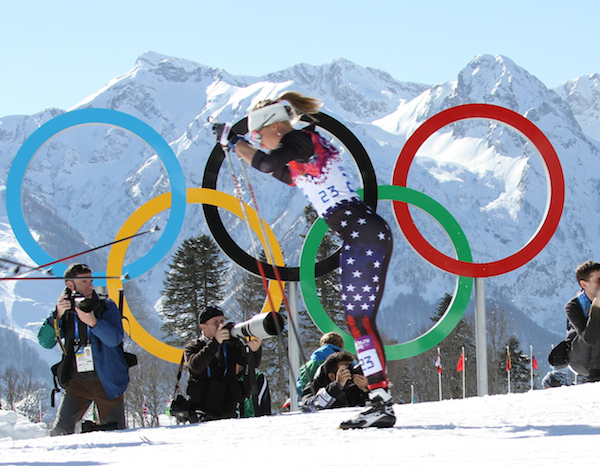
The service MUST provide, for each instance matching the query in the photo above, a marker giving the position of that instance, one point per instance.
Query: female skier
(305, 159)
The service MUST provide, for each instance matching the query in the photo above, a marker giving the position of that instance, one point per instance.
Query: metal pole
(508, 366)
(440, 375)
(463, 372)
(293, 344)
(481, 338)
(531, 363)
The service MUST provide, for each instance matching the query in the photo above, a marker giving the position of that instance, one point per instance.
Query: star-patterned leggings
(364, 261)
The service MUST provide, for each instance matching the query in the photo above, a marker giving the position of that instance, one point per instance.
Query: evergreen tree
(498, 333)
(194, 281)
(520, 376)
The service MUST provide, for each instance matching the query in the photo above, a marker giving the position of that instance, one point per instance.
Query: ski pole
(270, 258)
(120, 277)
(19, 266)
(151, 230)
(270, 255)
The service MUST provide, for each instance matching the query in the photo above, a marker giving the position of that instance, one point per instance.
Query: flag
(534, 362)
(460, 365)
(508, 363)
(438, 364)
(145, 410)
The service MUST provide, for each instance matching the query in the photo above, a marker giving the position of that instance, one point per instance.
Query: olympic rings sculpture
(306, 273)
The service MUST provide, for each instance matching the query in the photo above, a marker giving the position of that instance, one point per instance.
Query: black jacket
(587, 328)
(322, 393)
(214, 386)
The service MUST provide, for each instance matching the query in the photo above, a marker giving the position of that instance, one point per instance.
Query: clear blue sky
(55, 53)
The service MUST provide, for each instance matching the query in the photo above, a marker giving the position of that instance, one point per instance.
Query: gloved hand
(233, 140)
(222, 132)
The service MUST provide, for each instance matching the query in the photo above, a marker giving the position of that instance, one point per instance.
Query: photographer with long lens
(216, 362)
(338, 383)
(93, 367)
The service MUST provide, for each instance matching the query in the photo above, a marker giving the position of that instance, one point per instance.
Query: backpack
(306, 374)
(263, 399)
(559, 356)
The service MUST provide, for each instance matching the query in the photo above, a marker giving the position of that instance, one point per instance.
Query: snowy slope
(583, 96)
(551, 427)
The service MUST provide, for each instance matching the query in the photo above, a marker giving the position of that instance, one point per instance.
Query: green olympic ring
(461, 295)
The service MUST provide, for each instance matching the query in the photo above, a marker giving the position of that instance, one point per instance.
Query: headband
(261, 117)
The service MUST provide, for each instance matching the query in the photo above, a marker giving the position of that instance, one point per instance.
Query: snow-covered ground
(559, 426)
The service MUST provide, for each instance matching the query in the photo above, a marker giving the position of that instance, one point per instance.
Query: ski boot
(379, 412)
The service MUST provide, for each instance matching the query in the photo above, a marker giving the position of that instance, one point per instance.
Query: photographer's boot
(379, 412)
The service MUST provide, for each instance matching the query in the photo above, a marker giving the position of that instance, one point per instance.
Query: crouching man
(338, 383)
(216, 363)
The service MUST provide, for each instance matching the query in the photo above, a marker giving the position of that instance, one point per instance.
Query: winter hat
(209, 313)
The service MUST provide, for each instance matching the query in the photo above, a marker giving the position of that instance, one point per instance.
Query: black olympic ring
(241, 257)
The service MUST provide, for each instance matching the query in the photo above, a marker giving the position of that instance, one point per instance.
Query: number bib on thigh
(367, 355)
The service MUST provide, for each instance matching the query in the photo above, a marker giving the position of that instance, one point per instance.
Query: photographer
(93, 367)
(216, 362)
(338, 383)
(583, 322)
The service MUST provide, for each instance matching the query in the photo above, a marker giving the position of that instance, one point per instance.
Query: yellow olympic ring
(151, 208)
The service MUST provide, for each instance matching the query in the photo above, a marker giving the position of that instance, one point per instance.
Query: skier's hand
(233, 140)
(222, 132)
(217, 130)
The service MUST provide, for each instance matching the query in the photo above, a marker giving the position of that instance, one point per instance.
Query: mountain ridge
(486, 175)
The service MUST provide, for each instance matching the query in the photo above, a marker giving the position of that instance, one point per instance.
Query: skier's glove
(224, 135)
(233, 140)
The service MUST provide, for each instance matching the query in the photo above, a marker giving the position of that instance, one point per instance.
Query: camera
(261, 326)
(355, 368)
(85, 304)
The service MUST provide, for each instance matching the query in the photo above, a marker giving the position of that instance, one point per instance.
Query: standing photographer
(216, 362)
(93, 368)
(338, 383)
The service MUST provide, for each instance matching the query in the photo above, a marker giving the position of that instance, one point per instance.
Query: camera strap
(250, 377)
(57, 333)
(76, 330)
(179, 372)
(224, 347)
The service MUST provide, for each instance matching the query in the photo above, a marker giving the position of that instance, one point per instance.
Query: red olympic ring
(554, 175)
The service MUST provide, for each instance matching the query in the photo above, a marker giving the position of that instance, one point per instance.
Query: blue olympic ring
(90, 116)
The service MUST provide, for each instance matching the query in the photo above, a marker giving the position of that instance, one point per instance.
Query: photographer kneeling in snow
(338, 383)
(216, 362)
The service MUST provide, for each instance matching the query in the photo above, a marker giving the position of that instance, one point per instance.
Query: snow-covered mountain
(86, 182)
